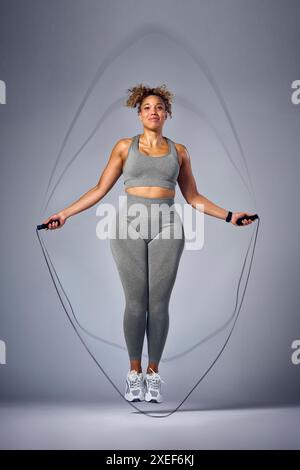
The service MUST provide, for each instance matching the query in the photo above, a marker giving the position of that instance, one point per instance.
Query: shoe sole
(133, 398)
(153, 400)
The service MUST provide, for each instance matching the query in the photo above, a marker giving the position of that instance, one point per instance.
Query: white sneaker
(153, 387)
(134, 386)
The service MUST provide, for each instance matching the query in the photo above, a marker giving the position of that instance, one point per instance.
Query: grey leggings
(147, 264)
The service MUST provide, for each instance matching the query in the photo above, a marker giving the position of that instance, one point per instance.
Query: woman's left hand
(237, 215)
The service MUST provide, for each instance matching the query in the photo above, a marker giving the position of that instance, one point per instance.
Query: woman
(148, 261)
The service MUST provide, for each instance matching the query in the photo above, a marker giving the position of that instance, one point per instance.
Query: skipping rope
(56, 282)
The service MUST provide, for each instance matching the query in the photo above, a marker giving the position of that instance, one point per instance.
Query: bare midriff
(151, 191)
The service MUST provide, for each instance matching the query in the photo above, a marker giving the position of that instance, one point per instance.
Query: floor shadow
(224, 407)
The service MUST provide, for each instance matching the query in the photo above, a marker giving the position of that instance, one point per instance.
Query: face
(153, 112)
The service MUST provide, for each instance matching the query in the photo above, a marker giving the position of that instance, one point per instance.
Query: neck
(152, 138)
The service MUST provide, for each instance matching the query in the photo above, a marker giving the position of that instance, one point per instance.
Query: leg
(131, 259)
(163, 261)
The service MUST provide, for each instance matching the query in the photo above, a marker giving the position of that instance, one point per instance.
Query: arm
(190, 192)
(108, 178)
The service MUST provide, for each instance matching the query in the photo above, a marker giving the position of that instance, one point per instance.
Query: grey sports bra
(143, 170)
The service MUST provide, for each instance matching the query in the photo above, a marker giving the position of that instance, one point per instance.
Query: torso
(150, 191)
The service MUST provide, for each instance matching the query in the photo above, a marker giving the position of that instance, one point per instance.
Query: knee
(158, 307)
(136, 307)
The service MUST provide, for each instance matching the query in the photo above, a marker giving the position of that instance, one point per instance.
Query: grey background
(50, 52)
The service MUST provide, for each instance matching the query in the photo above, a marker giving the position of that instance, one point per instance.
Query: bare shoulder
(182, 151)
(122, 146)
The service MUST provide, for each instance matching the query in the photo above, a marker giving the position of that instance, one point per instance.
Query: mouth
(154, 119)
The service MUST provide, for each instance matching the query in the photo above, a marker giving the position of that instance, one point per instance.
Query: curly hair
(140, 91)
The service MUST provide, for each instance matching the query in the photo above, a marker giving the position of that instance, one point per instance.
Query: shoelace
(154, 379)
(134, 380)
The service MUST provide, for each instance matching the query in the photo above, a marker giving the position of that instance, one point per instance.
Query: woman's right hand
(53, 225)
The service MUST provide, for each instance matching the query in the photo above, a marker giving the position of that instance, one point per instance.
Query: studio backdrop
(233, 67)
